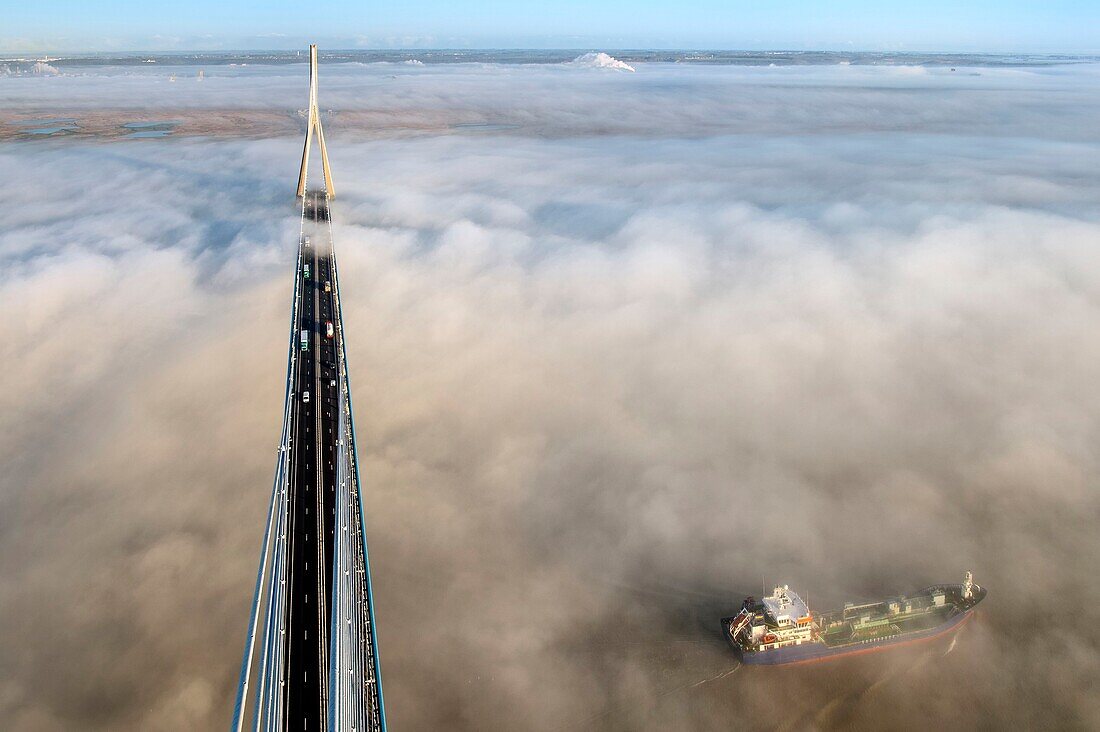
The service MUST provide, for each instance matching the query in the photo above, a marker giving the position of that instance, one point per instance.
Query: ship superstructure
(782, 629)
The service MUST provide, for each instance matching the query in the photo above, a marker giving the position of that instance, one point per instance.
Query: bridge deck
(312, 484)
(318, 663)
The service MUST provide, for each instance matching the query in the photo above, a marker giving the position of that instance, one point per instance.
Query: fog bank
(606, 379)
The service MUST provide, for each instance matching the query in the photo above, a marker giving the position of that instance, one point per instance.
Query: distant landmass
(445, 56)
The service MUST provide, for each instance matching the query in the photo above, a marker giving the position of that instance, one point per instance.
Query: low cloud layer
(605, 382)
(563, 100)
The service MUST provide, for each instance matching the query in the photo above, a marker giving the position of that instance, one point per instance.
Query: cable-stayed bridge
(311, 658)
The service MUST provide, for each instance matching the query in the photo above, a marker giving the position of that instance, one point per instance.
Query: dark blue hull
(818, 651)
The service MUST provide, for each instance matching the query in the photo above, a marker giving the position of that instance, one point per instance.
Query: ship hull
(818, 651)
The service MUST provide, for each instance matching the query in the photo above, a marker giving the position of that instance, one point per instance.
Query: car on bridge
(328, 329)
(305, 397)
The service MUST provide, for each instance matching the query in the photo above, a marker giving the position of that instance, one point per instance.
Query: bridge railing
(271, 577)
(368, 665)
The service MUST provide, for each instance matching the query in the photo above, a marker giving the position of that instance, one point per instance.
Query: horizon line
(1095, 53)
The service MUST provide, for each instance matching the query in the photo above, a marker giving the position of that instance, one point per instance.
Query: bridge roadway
(312, 486)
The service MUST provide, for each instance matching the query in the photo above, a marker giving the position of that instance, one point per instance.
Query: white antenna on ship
(314, 122)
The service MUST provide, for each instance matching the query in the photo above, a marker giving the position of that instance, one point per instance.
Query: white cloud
(601, 61)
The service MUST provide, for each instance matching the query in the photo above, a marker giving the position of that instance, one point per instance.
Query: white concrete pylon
(314, 121)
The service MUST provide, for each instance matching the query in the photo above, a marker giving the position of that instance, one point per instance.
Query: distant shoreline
(557, 56)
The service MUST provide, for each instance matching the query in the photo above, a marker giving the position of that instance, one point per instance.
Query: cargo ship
(781, 629)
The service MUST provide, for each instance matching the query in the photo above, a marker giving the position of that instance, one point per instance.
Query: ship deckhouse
(786, 607)
(785, 620)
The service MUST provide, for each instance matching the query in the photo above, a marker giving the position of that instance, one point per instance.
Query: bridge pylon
(314, 123)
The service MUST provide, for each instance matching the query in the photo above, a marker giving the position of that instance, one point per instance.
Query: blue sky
(933, 25)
